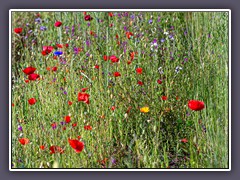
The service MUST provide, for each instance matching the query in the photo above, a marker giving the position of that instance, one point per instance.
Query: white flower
(160, 70)
(178, 68)
(166, 33)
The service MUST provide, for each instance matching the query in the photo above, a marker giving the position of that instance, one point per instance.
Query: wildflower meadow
(119, 90)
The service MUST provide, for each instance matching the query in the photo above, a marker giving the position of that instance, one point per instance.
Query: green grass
(135, 140)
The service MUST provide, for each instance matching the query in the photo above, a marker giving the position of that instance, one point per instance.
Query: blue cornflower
(58, 53)
(150, 21)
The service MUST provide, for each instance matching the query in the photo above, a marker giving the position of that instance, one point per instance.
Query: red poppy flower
(58, 24)
(117, 36)
(79, 137)
(88, 18)
(59, 45)
(184, 140)
(33, 77)
(42, 147)
(12, 104)
(129, 35)
(159, 81)
(114, 59)
(69, 103)
(76, 145)
(105, 58)
(196, 105)
(74, 124)
(85, 13)
(64, 128)
(54, 57)
(116, 74)
(139, 70)
(111, 25)
(84, 89)
(96, 66)
(56, 149)
(24, 141)
(47, 50)
(140, 83)
(26, 81)
(54, 125)
(66, 45)
(92, 33)
(88, 127)
(113, 108)
(83, 97)
(67, 119)
(32, 101)
(132, 56)
(54, 69)
(164, 98)
(18, 30)
(29, 70)
(129, 62)
(110, 14)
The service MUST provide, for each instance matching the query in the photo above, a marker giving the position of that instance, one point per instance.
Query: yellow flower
(144, 109)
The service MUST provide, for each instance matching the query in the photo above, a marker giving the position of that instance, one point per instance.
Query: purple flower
(88, 43)
(61, 88)
(54, 79)
(162, 40)
(19, 128)
(159, 19)
(43, 28)
(113, 160)
(62, 61)
(38, 20)
(88, 24)
(132, 16)
(73, 29)
(125, 28)
(62, 123)
(76, 50)
(185, 33)
(65, 92)
(54, 126)
(150, 21)
(67, 29)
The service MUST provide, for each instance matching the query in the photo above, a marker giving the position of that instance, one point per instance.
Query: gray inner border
(150, 4)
